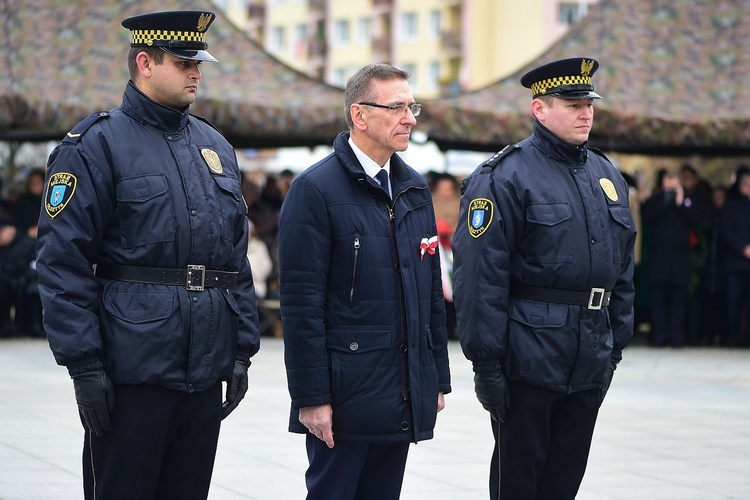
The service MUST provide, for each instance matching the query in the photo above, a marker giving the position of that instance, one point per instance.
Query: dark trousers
(668, 304)
(544, 443)
(738, 290)
(355, 471)
(162, 446)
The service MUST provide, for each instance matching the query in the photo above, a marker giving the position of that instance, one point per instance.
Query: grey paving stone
(676, 425)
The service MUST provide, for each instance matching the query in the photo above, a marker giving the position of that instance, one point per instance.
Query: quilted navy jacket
(545, 214)
(362, 308)
(134, 186)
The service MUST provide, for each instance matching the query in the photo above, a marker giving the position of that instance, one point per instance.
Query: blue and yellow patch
(60, 189)
(481, 211)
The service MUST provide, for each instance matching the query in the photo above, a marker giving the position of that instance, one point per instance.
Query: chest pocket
(549, 238)
(231, 204)
(621, 229)
(145, 211)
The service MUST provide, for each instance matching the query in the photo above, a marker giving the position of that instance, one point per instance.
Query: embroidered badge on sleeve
(60, 189)
(480, 216)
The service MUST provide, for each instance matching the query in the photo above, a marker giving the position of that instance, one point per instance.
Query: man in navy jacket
(543, 284)
(147, 291)
(361, 299)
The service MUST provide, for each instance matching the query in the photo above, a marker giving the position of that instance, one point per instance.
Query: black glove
(493, 393)
(608, 373)
(236, 388)
(95, 396)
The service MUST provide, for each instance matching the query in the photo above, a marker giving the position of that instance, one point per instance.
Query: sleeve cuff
(487, 366)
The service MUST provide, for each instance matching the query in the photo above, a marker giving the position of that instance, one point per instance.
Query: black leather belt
(194, 278)
(593, 299)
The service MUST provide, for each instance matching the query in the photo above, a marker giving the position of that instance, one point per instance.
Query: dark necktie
(382, 176)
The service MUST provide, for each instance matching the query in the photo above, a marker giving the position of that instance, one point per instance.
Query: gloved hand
(608, 373)
(492, 392)
(236, 388)
(95, 396)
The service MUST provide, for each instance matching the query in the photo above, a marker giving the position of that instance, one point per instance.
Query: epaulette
(600, 153)
(74, 135)
(205, 120)
(495, 159)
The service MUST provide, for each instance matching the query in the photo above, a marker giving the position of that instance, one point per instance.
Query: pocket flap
(548, 214)
(359, 340)
(621, 214)
(141, 188)
(538, 314)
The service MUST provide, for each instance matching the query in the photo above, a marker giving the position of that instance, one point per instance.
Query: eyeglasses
(400, 108)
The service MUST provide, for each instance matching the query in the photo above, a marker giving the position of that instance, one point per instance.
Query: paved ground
(676, 425)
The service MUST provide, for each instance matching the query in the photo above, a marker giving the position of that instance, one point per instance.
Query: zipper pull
(390, 214)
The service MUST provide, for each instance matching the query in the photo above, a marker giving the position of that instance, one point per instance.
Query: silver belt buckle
(196, 278)
(594, 304)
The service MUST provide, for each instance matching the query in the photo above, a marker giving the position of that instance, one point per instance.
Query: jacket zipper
(354, 269)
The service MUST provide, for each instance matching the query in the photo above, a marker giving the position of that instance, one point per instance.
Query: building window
(341, 36)
(412, 70)
(433, 81)
(338, 78)
(434, 26)
(277, 42)
(300, 40)
(409, 26)
(567, 13)
(364, 34)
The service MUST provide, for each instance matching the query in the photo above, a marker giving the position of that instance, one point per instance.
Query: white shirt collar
(371, 168)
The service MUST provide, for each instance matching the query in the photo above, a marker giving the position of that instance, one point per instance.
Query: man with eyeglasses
(361, 298)
(543, 286)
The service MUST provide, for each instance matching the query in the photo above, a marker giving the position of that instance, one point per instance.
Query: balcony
(256, 11)
(450, 41)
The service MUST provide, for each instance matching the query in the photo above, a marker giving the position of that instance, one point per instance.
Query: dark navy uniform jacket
(546, 214)
(362, 307)
(145, 185)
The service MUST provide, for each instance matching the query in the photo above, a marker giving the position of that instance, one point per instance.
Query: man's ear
(358, 118)
(145, 64)
(537, 107)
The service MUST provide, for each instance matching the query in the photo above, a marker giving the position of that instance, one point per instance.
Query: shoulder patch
(75, 135)
(60, 189)
(480, 213)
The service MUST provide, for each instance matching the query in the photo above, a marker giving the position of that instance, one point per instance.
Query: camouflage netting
(675, 76)
(67, 58)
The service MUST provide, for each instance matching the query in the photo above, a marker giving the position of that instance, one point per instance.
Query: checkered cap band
(148, 37)
(541, 87)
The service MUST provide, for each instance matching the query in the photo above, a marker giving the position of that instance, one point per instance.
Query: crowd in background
(692, 254)
(693, 273)
(20, 306)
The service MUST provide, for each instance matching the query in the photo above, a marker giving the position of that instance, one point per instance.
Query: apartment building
(448, 46)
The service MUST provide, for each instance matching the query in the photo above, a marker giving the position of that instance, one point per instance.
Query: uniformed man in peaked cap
(147, 292)
(543, 286)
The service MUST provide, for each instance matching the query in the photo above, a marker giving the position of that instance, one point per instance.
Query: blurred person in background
(672, 221)
(735, 232)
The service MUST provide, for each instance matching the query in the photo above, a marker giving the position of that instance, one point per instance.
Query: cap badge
(212, 159)
(609, 188)
(480, 216)
(203, 21)
(586, 67)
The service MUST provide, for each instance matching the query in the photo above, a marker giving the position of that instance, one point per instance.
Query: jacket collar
(401, 176)
(137, 105)
(556, 148)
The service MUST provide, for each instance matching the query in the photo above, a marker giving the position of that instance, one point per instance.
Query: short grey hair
(359, 87)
